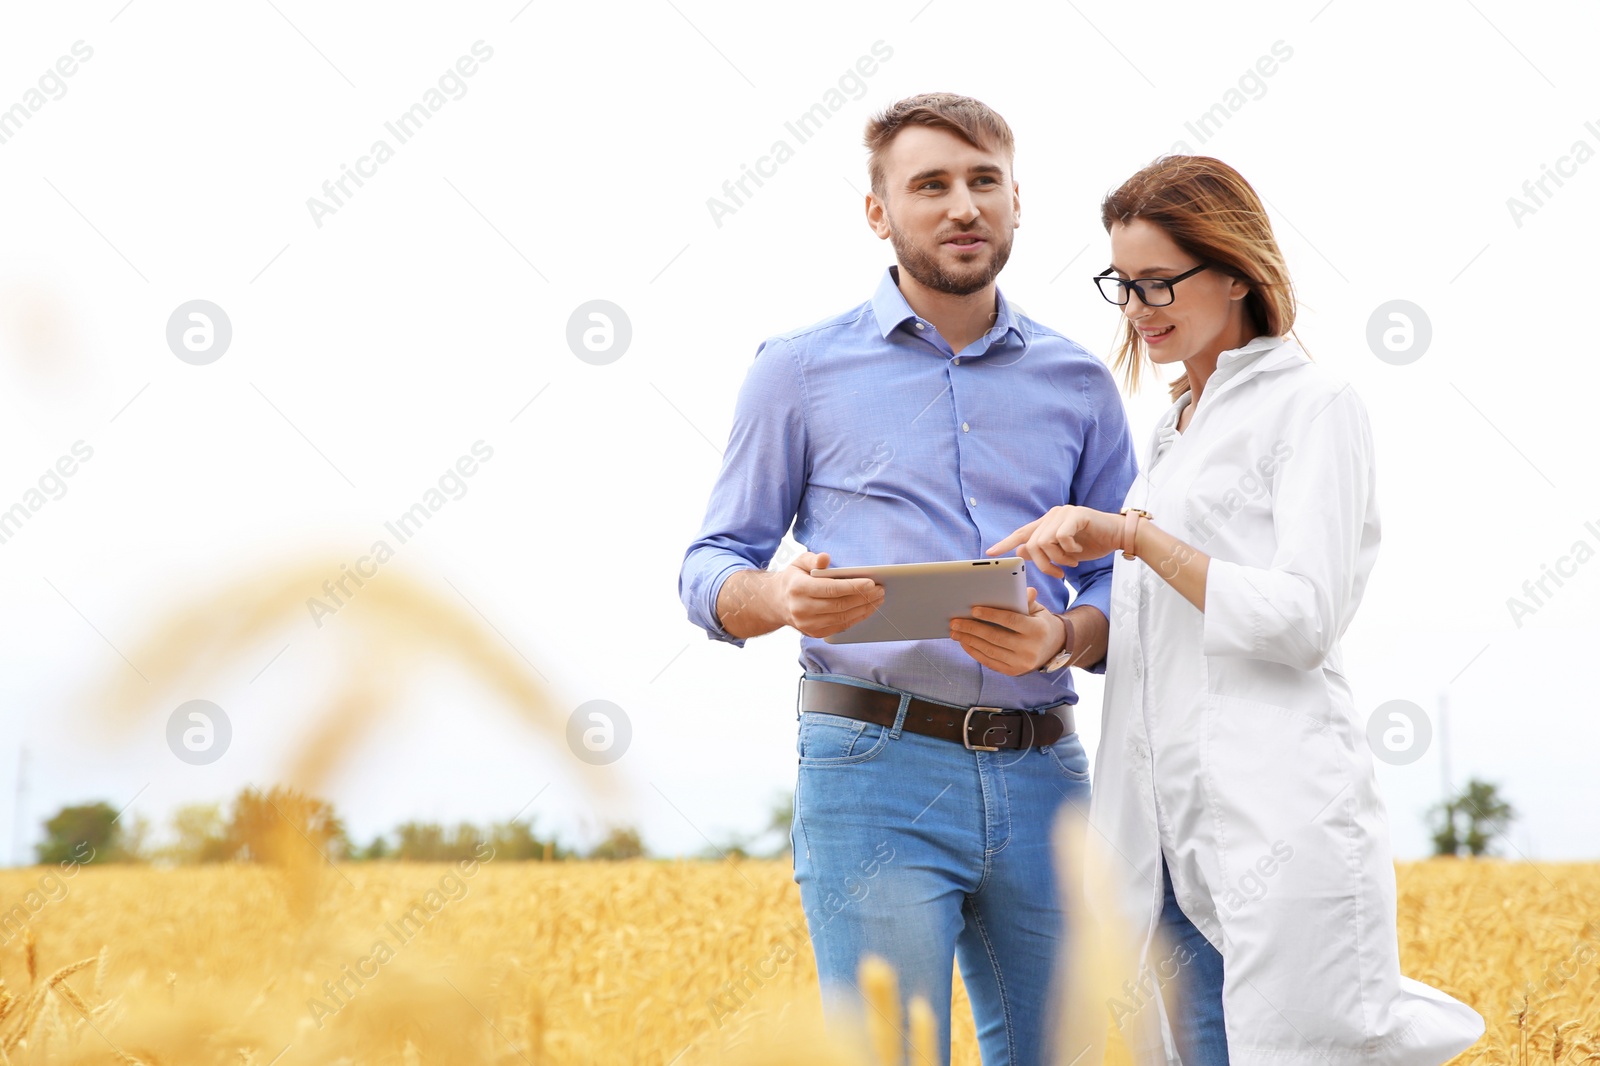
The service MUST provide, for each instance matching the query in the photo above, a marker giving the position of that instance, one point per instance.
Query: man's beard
(961, 281)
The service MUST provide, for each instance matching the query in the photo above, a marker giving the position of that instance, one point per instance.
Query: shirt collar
(891, 310)
(1257, 355)
(1260, 343)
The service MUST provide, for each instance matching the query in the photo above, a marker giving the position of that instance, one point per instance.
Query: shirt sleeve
(758, 491)
(1107, 467)
(1326, 531)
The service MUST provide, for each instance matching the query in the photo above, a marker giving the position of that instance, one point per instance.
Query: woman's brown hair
(1213, 214)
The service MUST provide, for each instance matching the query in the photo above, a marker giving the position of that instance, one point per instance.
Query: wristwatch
(1061, 657)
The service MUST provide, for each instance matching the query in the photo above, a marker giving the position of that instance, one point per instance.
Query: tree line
(261, 825)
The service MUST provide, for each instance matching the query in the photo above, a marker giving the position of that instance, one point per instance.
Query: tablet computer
(919, 599)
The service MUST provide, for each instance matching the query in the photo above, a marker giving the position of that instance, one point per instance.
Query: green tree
(202, 835)
(622, 842)
(132, 842)
(778, 826)
(516, 840)
(419, 842)
(775, 835)
(378, 849)
(512, 841)
(272, 826)
(84, 834)
(1471, 820)
(431, 842)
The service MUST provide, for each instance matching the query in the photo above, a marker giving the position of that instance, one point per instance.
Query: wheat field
(637, 962)
(580, 962)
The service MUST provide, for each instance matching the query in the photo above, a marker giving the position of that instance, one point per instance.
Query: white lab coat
(1231, 740)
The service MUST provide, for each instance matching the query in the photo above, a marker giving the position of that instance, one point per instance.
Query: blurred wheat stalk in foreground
(381, 641)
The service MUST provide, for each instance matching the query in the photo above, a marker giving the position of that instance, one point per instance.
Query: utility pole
(1444, 746)
(17, 807)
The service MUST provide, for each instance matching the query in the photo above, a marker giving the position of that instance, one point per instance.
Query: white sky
(430, 309)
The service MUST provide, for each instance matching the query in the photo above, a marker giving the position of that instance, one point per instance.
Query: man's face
(948, 208)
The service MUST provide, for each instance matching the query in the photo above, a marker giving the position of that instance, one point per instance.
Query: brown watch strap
(1068, 638)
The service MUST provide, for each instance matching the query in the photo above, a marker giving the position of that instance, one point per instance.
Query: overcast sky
(570, 154)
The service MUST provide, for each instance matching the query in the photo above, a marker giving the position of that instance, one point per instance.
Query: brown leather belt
(975, 728)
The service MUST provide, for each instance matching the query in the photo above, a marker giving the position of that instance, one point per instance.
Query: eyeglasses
(1155, 292)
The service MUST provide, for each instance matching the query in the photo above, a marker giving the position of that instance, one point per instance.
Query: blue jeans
(1193, 997)
(920, 851)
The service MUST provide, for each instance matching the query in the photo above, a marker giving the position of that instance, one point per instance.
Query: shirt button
(972, 500)
(919, 325)
(957, 360)
(965, 428)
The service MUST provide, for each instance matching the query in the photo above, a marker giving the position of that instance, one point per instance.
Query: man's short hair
(971, 120)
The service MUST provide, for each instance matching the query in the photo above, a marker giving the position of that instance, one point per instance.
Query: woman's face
(1206, 315)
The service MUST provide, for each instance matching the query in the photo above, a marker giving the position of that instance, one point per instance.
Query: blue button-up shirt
(882, 445)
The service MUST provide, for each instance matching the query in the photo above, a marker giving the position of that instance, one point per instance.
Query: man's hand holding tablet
(985, 605)
(753, 601)
(1012, 642)
(823, 606)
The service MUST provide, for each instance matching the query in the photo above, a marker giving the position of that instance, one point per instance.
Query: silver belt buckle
(966, 729)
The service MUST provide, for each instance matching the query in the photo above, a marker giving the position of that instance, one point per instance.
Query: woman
(1234, 804)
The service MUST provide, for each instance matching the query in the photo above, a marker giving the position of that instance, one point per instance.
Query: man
(925, 424)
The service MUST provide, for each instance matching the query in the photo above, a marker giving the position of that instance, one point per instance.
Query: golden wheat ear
(924, 1033)
(1089, 975)
(881, 989)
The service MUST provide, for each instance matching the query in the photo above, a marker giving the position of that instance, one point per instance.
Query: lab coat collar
(1260, 355)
